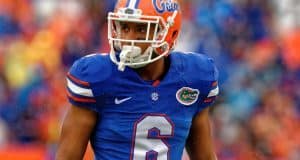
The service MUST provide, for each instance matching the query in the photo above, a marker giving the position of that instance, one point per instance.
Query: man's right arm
(75, 134)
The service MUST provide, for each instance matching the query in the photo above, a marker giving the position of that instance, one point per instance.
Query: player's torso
(139, 121)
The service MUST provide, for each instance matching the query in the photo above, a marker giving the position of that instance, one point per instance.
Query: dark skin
(199, 143)
(74, 138)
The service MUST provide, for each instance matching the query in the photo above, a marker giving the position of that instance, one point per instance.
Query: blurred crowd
(255, 44)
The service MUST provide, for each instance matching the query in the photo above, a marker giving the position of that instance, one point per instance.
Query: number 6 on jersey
(149, 137)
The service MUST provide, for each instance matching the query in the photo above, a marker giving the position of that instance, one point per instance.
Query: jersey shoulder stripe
(213, 92)
(73, 97)
(76, 89)
(76, 80)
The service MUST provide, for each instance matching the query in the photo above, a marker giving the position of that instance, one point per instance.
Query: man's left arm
(199, 144)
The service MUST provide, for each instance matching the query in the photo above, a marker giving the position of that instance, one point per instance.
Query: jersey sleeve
(211, 88)
(79, 89)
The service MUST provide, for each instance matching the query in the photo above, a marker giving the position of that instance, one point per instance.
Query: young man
(142, 101)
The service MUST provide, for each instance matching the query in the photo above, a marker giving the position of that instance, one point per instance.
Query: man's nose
(130, 35)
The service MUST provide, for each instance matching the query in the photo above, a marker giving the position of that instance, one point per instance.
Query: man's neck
(154, 71)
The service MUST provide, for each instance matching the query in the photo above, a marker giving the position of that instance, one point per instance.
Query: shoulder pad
(199, 65)
(92, 68)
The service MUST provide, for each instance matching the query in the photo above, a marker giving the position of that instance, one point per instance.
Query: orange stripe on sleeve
(77, 80)
(87, 100)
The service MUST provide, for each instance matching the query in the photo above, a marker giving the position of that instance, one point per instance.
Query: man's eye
(125, 29)
(141, 29)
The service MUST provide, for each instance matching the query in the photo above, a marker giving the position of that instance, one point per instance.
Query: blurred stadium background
(255, 43)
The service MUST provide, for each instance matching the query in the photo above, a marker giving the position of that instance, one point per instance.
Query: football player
(142, 101)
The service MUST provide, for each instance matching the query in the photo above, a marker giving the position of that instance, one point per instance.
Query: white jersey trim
(214, 92)
(79, 90)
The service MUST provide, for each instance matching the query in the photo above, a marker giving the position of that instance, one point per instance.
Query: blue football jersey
(138, 119)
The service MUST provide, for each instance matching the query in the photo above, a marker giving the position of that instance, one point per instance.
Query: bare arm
(76, 131)
(199, 144)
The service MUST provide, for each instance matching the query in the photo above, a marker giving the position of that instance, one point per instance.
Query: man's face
(136, 31)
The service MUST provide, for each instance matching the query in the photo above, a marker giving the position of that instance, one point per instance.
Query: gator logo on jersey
(187, 96)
